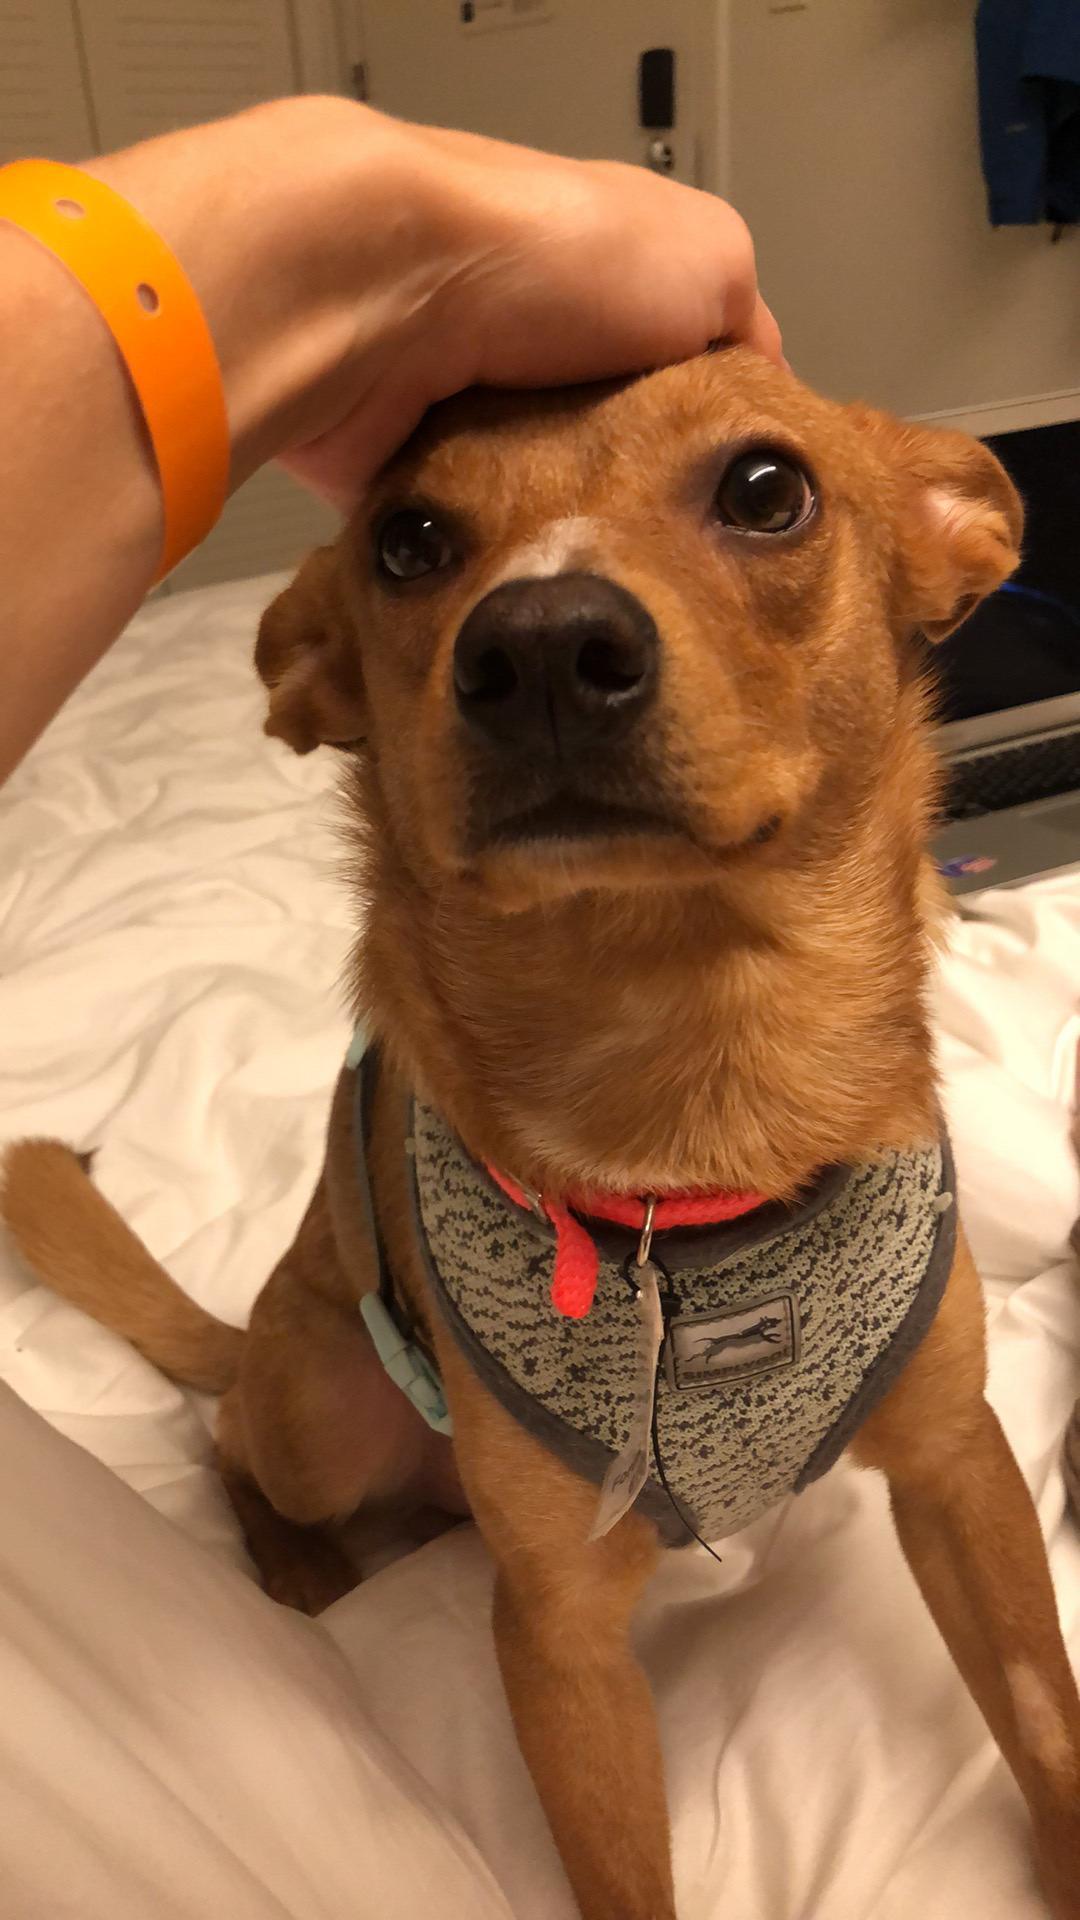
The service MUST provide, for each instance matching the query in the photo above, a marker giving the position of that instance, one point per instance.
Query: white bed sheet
(172, 933)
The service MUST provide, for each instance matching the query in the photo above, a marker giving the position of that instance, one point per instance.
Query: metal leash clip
(645, 1243)
(535, 1202)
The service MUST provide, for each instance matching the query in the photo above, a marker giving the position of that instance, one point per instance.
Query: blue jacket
(1029, 109)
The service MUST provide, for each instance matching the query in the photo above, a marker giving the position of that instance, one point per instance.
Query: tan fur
(67, 1232)
(700, 1008)
(789, 689)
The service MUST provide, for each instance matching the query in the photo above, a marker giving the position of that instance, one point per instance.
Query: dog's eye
(763, 492)
(412, 543)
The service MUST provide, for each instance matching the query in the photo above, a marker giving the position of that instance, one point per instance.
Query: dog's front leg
(971, 1537)
(586, 1725)
(580, 1702)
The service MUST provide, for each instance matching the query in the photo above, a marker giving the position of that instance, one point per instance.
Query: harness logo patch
(733, 1344)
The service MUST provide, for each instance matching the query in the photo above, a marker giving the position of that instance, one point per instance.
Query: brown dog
(639, 805)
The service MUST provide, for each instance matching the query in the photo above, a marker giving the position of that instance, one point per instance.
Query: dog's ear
(307, 655)
(960, 520)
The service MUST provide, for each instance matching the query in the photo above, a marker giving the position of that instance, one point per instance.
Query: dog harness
(782, 1328)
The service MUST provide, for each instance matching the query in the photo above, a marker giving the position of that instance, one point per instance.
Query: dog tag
(626, 1475)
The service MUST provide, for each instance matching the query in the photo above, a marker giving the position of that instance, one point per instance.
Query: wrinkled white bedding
(171, 940)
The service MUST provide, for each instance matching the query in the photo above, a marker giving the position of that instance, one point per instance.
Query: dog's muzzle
(553, 667)
(555, 681)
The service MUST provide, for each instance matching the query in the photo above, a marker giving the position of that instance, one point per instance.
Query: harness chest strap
(407, 1364)
(781, 1330)
(577, 1260)
(403, 1358)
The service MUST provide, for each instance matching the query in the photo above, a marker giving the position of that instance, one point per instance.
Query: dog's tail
(71, 1237)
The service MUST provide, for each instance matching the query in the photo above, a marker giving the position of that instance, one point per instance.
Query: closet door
(156, 64)
(44, 107)
(565, 77)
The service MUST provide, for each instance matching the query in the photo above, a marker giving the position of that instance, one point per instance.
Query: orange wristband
(150, 307)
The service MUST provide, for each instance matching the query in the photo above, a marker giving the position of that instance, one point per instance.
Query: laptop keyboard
(1008, 776)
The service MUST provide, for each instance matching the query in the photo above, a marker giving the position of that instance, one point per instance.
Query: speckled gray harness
(782, 1329)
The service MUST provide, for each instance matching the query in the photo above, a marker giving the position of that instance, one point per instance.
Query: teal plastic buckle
(407, 1366)
(357, 1048)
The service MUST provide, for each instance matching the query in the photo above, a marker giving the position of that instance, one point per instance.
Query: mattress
(172, 934)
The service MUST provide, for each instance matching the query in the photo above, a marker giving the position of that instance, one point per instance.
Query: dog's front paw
(311, 1581)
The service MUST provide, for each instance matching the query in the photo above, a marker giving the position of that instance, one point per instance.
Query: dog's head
(634, 636)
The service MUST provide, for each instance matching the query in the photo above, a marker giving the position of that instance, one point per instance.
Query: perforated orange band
(151, 310)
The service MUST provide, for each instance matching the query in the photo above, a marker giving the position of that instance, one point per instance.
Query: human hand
(355, 269)
(547, 271)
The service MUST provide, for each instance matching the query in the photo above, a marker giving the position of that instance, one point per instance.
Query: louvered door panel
(156, 64)
(43, 104)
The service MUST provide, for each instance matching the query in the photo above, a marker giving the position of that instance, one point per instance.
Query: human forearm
(81, 525)
(352, 270)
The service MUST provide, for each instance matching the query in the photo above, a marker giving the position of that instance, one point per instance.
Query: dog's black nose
(555, 663)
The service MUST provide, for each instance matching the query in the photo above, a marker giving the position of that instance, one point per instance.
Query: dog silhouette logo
(733, 1343)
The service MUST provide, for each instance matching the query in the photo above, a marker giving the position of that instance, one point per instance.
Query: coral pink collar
(577, 1260)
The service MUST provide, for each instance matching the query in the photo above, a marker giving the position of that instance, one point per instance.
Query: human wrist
(310, 231)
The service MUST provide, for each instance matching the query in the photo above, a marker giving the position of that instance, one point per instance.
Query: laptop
(1013, 795)
(1009, 689)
